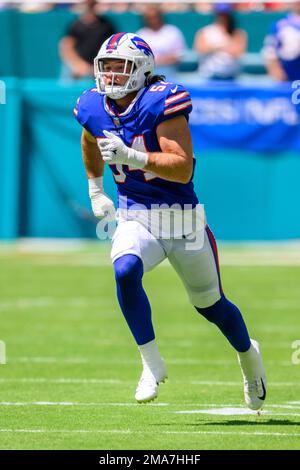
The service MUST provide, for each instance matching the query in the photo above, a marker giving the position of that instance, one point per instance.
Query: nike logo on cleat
(264, 391)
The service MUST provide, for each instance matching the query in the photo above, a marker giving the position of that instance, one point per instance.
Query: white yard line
(130, 362)
(67, 403)
(60, 380)
(213, 408)
(45, 302)
(71, 380)
(235, 384)
(142, 432)
(49, 359)
(234, 411)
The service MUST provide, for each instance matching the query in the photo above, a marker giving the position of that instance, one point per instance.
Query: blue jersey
(136, 126)
(284, 44)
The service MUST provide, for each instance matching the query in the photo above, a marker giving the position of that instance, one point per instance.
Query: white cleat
(255, 382)
(147, 389)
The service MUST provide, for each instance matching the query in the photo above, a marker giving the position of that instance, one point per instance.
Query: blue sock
(132, 298)
(229, 319)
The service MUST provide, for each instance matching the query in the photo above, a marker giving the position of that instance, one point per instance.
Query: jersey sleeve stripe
(178, 107)
(176, 97)
(176, 103)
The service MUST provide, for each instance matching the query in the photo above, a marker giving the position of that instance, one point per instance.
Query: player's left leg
(199, 271)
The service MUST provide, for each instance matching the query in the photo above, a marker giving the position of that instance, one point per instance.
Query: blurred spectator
(203, 7)
(169, 7)
(275, 6)
(80, 45)
(30, 6)
(166, 41)
(282, 47)
(221, 45)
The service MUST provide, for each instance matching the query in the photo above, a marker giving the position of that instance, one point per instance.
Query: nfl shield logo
(116, 121)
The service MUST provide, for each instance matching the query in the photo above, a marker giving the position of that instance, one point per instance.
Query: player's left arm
(175, 161)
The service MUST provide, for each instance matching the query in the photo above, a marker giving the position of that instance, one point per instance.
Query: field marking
(158, 432)
(71, 380)
(130, 362)
(235, 411)
(237, 405)
(43, 302)
(230, 411)
(66, 403)
(216, 383)
(48, 359)
(213, 409)
(60, 380)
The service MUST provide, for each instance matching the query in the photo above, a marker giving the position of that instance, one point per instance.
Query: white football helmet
(135, 52)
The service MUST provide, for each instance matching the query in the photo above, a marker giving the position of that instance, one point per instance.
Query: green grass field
(72, 366)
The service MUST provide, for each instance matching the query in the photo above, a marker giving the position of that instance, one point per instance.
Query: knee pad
(128, 268)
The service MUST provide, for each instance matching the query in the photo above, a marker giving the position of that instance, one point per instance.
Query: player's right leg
(135, 250)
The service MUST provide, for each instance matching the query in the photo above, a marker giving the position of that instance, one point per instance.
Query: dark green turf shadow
(260, 421)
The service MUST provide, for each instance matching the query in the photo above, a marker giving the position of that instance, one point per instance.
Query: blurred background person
(80, 45)
(282, 47)
(203, 7)
(220, 46)
(166, 41)
(34, 6)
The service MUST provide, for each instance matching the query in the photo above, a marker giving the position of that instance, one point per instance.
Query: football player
(137, 123)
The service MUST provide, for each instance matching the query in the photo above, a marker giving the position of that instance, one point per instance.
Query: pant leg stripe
(214, 248)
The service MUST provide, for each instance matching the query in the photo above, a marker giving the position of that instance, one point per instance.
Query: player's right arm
(92, 159)
(102, 205)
